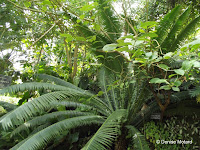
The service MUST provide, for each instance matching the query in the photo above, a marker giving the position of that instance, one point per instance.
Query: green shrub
(173, 129)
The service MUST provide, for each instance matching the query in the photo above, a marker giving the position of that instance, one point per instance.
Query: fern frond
(104, 81)
(137, 138)
(40, 139)
(42, 103)
(7, 106)
(45, 118)
(187, 31)
(195, 92)
(32, 86)
(180, 23)
(58, 81)
(140, 95)
(166, 23)
(72, 104)
(83, 107)
(39, 128)
(108, 20)
(107, 133)
(20, 143)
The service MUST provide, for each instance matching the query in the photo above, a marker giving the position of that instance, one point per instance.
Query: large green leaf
(106, 79)
(185, 33)
(158, 80)
(40, 139)
(107, 133)
(179, 71)
(32, 86)
(178, 26)
(36, 121)
(166, 24)
(114, 61)
(40, 104)
(58, 81)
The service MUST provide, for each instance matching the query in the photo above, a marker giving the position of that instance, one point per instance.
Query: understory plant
(158, 53)
(173, 129)
(64, 107)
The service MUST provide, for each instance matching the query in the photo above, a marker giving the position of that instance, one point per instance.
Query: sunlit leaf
(165, 87)
(163, 66)
(157, 80)
(175, 89)
(168, 55)
(109, 47)
(180, 71)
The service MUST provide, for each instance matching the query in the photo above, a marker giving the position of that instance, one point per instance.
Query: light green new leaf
(186, 65)
(175, 89)
(168, 55)
(110, 47)
(157, 80)
(193, 44)
(177, 83)
(196, 64)
(165, 87)
(163, 66)
(179, 71)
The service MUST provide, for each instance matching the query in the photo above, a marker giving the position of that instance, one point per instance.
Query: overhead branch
(75, 61)
(26, 8)
(43, 35)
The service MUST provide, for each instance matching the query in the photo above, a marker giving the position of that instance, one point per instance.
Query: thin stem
(25, 8)
(43, 35)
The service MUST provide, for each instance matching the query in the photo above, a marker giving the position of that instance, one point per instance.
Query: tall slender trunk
(73, 74)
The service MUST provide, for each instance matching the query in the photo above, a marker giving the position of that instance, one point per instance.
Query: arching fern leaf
(137, 138)
(107, 133)
(40, 139)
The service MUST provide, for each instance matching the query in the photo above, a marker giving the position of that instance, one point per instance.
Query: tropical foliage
(76, 107)
(115, 63)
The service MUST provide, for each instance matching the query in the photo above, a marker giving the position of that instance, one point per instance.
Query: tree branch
(43, 35)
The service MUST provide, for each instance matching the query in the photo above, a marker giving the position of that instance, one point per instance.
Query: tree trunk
(121, 143)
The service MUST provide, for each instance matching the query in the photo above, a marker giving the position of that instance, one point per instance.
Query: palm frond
(108, 20)
(195, 92)
(7, 106)
(187, 31)
(58, 81)
(180, 23)
(42, 103)
(140, 95)
(32, 86)
(45, 118)
(137, 138)
(72, 104)
(41, 127)
(105, 80)
(20, 143)
(107, 133)
(94, 102)
(40, 139)
(166, 23)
